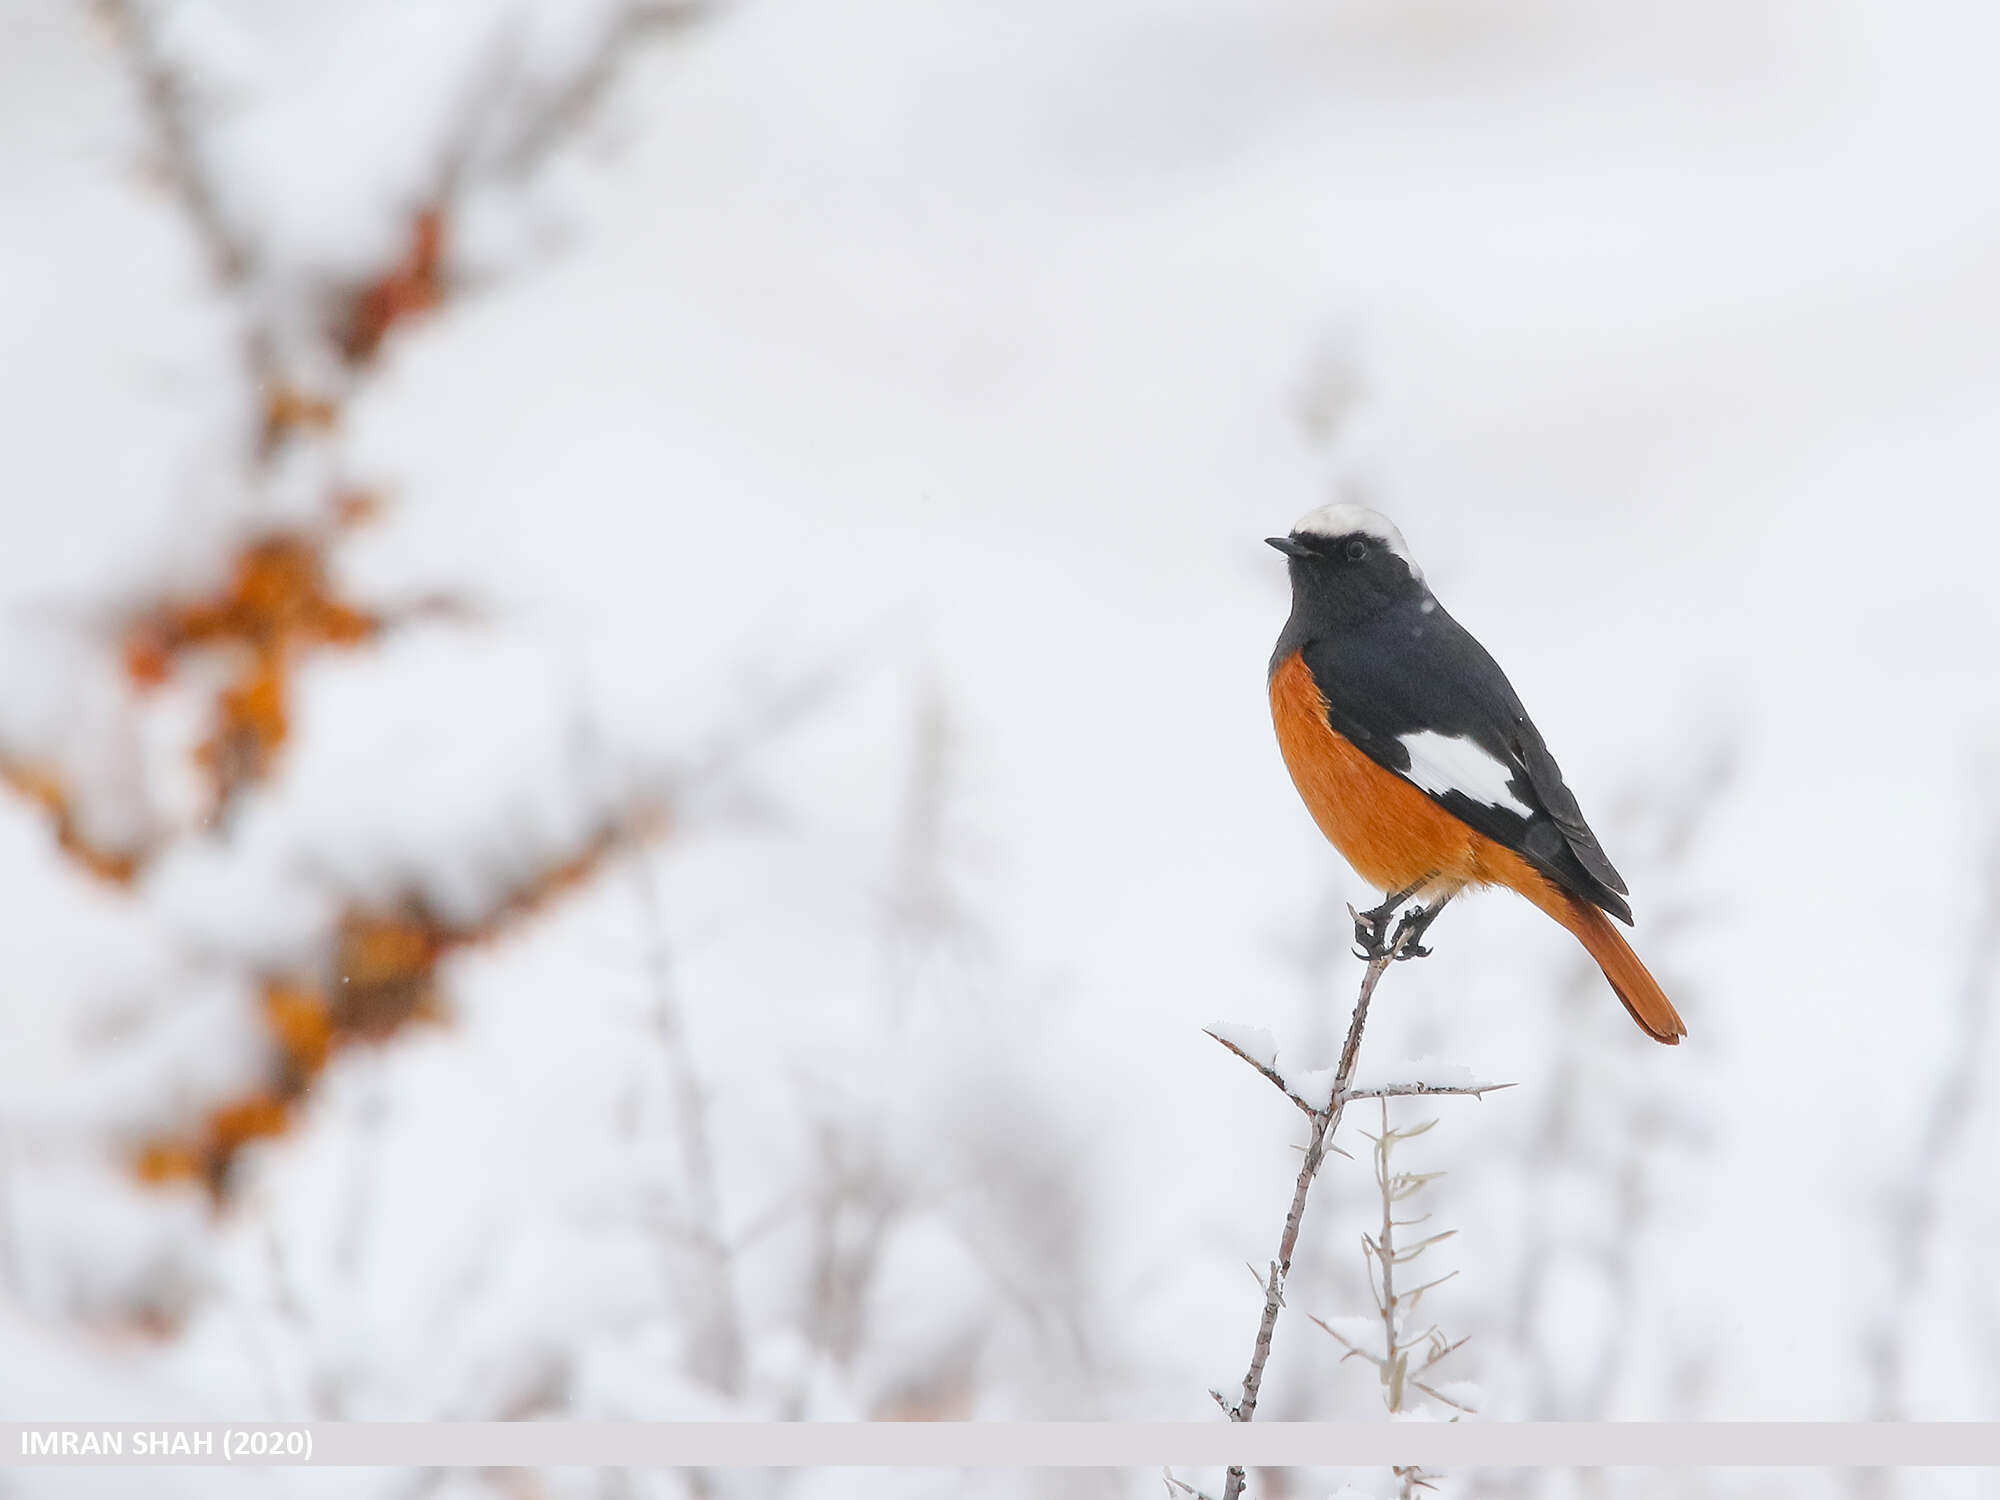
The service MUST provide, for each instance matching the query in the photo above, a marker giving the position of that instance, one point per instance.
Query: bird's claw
(1408, 941)
(1370, 927)
(1375, 940)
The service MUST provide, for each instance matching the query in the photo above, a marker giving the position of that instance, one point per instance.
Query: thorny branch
(560, 114)
(720, 1338)
(1380, 951)
(164, 99)
(169, 100)
(1180, 1487)
(1403, 1363)
(1323, 1123)
(1416, 1090)
(1407, 1090)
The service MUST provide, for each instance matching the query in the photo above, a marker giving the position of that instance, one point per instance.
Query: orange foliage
(287, 410)
(275, 606)
(412, 287)
(45, 789)
(557, 880)
(232, 1125)
(381, 977)
(148, 662)
(355, 508)
(385, 966)
(226, 1131)
(169, 1161)
(384, 974)
(302, 1026)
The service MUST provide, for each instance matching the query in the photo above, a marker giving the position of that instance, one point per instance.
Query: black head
(1348, 562)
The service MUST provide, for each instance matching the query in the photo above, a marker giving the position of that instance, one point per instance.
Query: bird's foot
(1375, 938)
(1372, 933)
(1370, 930)
(1407, 941)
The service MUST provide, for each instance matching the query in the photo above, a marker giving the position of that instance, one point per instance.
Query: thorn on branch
(1306, 1099)
(1182, 1487)
(1419, 1090)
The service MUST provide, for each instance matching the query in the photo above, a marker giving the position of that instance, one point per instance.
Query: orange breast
(1386, 828)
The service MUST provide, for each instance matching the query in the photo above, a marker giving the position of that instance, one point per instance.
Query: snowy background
(632, 721)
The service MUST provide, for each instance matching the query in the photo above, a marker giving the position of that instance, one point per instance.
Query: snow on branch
(1409, 1090)
(1312, 1091)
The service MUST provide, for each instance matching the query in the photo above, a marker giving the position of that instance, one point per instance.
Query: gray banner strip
(1009, 1444)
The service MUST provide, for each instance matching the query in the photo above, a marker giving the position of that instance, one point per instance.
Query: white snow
(1314, 1087)
(1371, 1073)
(1254, 1042)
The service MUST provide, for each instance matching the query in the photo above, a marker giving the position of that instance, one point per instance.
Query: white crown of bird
(1345, 518)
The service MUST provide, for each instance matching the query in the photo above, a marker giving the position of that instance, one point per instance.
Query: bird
(1413, 754)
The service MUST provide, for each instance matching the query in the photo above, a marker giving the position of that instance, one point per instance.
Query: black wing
(1413, 668)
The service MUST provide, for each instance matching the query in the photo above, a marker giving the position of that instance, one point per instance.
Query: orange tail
(1643, 997)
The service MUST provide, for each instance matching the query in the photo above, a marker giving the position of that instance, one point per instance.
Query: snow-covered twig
(932, 943)
(163, 96)
(1416, 1090)
(561, 113)
(1244, 1409)
(1916, 1203)
(164, 102)
(1311, 1092)
(1402, 1364)
(719, 1339)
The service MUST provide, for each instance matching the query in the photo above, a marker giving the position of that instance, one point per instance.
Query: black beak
(1287, 546)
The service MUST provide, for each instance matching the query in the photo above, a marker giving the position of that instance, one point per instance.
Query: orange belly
(1386, 828)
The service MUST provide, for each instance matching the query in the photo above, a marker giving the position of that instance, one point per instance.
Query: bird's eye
(1357, 551)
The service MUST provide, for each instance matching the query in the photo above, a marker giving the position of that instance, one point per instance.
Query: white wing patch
(1441, 763)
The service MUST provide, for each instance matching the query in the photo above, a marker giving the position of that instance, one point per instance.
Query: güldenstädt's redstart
(1416, 758)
